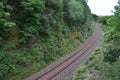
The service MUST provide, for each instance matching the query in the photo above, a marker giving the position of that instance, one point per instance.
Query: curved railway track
(63, 67)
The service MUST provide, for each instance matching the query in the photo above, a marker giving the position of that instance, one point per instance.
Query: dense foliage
(110, 71)
(113, 38)
(6, 24)
(104, 64)
(110, 66)
(34, 33)
(42, 16)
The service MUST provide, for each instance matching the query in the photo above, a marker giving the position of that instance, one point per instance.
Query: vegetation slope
(104, 64)
(35, 33)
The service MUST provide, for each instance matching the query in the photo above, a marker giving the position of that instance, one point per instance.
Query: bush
(110, 71)
(6, 24)
(111, 54)
(29, 18)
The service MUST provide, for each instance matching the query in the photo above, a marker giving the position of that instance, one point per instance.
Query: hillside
(35, 33)
(104, 63)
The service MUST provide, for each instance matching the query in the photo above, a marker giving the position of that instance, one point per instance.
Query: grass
(19, 64)
(97, 67)
(89, 68)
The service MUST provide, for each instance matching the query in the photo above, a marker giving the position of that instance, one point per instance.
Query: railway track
(61, 69)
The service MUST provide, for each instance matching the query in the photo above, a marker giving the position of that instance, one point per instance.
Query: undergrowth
(19, 64)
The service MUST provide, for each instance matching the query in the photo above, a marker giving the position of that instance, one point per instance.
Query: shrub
(29, 18)
(110, 71)
(6, 24)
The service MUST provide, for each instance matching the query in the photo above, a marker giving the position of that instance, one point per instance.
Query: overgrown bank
(35, 33)
(104, 64)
